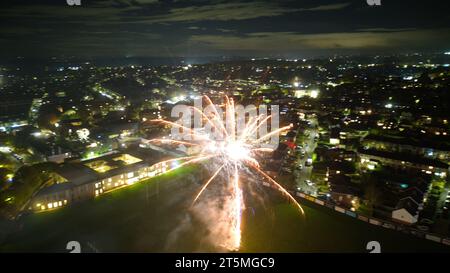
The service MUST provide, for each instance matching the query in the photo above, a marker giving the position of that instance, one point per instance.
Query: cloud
(147, 11)
(291, 41)
(146, 1)
(327, 7)
(150, 27)
(384, 29)
(221, 12)
(225, 30)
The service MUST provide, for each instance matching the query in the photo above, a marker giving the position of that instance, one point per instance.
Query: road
(309, 145)
(441, 201)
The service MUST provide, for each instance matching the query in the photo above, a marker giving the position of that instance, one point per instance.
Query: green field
(143, 218)
(323, 230)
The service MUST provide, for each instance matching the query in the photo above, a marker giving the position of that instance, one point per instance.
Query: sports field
(146, 217)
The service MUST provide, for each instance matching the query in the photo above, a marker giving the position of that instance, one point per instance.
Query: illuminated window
(50, 205)
(109, 179)
(42, 207)
(65, 202)
(334, 141)
(130, 175)
(96, 192)
(55, 204)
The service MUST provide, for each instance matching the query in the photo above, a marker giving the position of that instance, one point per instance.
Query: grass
(137, 219)
(112, 218)
(323, 230)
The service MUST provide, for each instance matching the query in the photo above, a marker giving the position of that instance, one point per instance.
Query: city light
(146, 126)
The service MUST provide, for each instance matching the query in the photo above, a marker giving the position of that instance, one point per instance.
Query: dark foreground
(147, 218)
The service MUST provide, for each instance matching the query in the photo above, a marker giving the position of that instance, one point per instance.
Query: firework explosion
(231, 152)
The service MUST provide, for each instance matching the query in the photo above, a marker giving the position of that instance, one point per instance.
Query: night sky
(184, 28)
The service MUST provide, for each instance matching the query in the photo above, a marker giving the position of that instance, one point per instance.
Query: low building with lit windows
(88, 179)
(370, 158)
(439, 150)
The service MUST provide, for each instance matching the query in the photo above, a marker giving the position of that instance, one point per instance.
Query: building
(370, 158)
(425, 148)
(401, 205)
(343, 193)
(312, 93)
(58, 154)
(408, 206)
(407, 211)
(83, 180)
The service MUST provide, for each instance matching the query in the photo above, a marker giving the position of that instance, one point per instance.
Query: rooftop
(55, 188)
(107, 163)
(76, 173)
(405, 157)
(424, 143)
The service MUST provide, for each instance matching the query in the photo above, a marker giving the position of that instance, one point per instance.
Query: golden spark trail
(192, 160)
(217, 113)
(208, 119)
(262, 150)
(192, 132)
(243, 134)
(252, 123)
(238, 200)
(230, 111)
(207, 183)
(273, 133)
(280, 188)
(178, 158)
(231, 153)
(195, 160)
(173, 124)
(164, 140)
(260, 124)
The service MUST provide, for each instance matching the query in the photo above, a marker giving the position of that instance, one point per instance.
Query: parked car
(389, 225)
(423, 228)
(426, 221)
